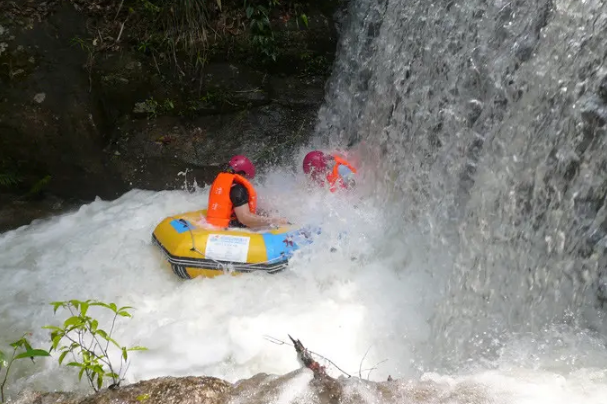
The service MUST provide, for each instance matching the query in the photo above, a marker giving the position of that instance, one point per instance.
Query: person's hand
(280, 221)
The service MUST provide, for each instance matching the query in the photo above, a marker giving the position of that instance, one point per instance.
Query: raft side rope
(224, 266)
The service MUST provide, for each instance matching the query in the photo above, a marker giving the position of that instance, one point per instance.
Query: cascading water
(475, 243)
(489, 122)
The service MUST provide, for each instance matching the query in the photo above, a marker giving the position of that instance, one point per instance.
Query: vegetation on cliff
(98, 97)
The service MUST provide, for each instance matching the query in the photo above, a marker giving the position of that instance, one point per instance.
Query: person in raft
(329, 169)
(233, 200)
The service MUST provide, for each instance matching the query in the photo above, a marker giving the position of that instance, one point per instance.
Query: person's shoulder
(239, 191)
(238, 188)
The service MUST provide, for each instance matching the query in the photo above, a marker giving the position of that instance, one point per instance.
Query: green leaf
(124, 314)
(51, 327)
(75, 364)
(27, 345)
(18, 343)
(101, 304)
(32, 353)
(137, 348)
(76, 303)
(56, 305)
(143, 397)
(113, 307)
(99, 380)
(56, 340)
(304, 18)
(124, 354)
(80, 373)
(72, 321)
(84, 308)
(62, 356)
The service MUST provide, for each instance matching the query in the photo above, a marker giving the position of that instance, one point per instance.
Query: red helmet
(241, 163)
(315, 163)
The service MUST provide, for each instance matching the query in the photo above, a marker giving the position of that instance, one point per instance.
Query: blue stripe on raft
(282, 246)
(181, 225)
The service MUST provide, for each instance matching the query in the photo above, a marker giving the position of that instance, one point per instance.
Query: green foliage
(9, 172)
(184, 23)
(82, 43)
(314, 65)
(39, 186)
(26, 351)
(262, 35)
(88, 345)
(153, 108)
(9, 179)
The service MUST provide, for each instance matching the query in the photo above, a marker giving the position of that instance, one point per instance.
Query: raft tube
(193, 248)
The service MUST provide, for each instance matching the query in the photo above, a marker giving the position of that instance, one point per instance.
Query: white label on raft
(222, 247)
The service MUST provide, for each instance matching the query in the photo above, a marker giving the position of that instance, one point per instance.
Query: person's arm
(240, 199)
(252, 220)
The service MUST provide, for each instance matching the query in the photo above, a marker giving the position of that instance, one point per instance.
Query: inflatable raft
(193, 248)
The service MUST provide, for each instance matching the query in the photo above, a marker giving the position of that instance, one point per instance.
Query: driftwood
(306, 358)
(327, 388)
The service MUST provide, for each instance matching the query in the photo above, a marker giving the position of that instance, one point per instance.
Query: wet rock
(151, 154)
(99, 118)
(524, 49)
(46, 398)
(268, 388)
(602, 90)
(165, 390)
(593, 111)
(474, 108)
(39, 98)
(242, 83)
(295, 91)
(17, 211)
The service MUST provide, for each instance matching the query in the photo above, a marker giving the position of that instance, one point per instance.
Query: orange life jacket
(334, 179)
(221, 210)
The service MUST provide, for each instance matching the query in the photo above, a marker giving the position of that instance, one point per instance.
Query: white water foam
(340, 303)
(373, 297)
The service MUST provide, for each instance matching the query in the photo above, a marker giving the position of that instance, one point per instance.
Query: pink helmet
(241, 163)
(315, 163)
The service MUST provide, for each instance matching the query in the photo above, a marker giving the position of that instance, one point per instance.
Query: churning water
(473, 258)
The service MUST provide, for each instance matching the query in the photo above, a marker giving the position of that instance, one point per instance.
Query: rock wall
(91, 106)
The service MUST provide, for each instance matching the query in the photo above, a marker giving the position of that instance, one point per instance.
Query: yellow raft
(193, 248)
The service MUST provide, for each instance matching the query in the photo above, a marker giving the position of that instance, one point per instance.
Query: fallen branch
(307, 360)
(299, 347)
(374, 368)
(327, 388)
(360, 367)
(361, 363)
(121, 29)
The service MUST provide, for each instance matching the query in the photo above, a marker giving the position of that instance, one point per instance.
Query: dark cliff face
(93, 102)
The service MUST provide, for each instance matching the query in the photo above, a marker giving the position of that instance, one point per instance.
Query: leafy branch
(21, 344)
(91, 356)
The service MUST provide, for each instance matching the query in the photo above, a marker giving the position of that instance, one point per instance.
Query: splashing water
(475, 243)
(211, 327)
